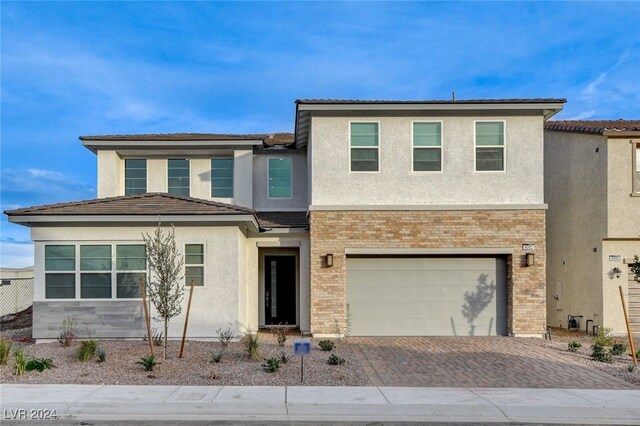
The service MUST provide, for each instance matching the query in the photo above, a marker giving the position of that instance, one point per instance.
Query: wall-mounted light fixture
(328, 260)
(531, 259)
(615, 272)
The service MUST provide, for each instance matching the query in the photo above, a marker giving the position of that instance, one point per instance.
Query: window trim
(423, 147)
(635, 186)
(75, 271)
(146, 172)
(137, 271)
(188, 162)
(349, 147)
(233, 177)
(503, 146)
(204, 262)
(81, 271)
(269, 158)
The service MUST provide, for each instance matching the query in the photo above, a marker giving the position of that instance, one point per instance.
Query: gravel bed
(618, 368)
(194, 368)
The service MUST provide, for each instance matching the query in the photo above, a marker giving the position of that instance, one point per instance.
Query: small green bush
(284, 358)
(326, 345)
(19, 361)
(39, 364)
(618, 349)
(5, 350)
(86, 350)
(335, 360)
(604, 337)
(217, 357)
(271, 365)
(101, 355)
(600, 355)
(573, 346)
(148, 362)
(252, 346)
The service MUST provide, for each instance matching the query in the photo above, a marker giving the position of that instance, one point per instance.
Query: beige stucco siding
(397, 184)
(575, 189)
(612, 305)
(624, 209)
(110, 170)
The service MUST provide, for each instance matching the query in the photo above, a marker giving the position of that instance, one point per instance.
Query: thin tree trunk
(166, 326)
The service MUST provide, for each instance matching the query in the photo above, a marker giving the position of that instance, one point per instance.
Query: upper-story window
(135, 176)
(364, 147)
(280, 177)
(178, 183)
(490, 146)
(222, 177)
(636, 177)
(427, 147)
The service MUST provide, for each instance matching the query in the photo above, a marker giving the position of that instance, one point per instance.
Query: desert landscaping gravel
(194, 368)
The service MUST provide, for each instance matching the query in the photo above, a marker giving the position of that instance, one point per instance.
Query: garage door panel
(427, 296)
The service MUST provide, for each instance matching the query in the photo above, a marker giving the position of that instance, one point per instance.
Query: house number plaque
(528, 247)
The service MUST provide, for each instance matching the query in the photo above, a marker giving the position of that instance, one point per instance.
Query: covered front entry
(280, 289)
(427, 296)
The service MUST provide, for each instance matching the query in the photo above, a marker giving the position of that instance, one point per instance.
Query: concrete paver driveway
(505, 362)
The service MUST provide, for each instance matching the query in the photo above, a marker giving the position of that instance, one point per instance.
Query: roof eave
(551, 107)
(622, 133)
(94, 145)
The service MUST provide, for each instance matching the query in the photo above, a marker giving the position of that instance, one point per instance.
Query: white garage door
(429, 296)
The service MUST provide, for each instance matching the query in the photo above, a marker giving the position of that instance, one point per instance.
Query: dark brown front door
(280, 290)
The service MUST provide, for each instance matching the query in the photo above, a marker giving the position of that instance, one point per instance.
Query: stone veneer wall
(333, 231)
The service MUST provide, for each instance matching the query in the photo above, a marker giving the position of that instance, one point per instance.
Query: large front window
(135, 176)
(222, 177)
(364, 147)
(280, 177)
(489, 146)
(95, 272)
(178, 173)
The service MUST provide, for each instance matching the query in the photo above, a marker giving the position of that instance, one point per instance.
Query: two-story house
(592, 184)
(374, 218)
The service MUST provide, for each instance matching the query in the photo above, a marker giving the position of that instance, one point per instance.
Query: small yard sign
(302, 346)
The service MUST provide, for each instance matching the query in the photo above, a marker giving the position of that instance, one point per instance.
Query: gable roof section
(601, 127)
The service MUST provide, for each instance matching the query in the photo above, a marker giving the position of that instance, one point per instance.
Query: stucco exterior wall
(397, 184)
(612, 306)
(576, 192)
(335, 231)
(624, 209)
(110, 170)
(216, 304)
(298, 200)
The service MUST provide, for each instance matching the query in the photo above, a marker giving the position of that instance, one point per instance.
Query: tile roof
(283, 219)
(435, 101)
(140, 204)
(282, 138)
(593, 126)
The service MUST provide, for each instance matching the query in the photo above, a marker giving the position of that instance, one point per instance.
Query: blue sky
(71, 69)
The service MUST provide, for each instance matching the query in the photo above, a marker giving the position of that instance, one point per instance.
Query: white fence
(15, 295)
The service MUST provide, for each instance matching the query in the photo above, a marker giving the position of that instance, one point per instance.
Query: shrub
(599, 354)
(326, 345)
(101, 355)
(19, 361)
(39, 364)
(225, 335)
(68, 335)
(573, 346)
(335, 360)
(217, 357)
(618, 349)
(86, 350)
(271, 365)
(148, 362)
(5, 350)
(252, 346)
(284, 358)
(604, 337)
(281, 334)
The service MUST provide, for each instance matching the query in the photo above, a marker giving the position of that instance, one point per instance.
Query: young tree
(164, 288)
(635, 268)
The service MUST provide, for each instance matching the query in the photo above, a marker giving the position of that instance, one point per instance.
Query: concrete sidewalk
(303, 403)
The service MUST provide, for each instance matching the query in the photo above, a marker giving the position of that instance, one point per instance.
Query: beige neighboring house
(406, 217)
(16, 289)
(592, 187)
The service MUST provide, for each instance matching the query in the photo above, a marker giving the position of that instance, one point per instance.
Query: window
(178, 177)
(279, 177)
(636, 178)
(427, 147)
(489, 146)
(60, 277)
(364, 147)
(194, 264)
(222, 177)
(95, 272)
(135, 177)
(131, 266)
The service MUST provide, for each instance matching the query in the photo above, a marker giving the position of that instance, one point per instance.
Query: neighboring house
(592, 186)
(16, 289)
(374, 218)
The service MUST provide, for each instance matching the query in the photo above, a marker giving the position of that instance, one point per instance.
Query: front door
(280, 290)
